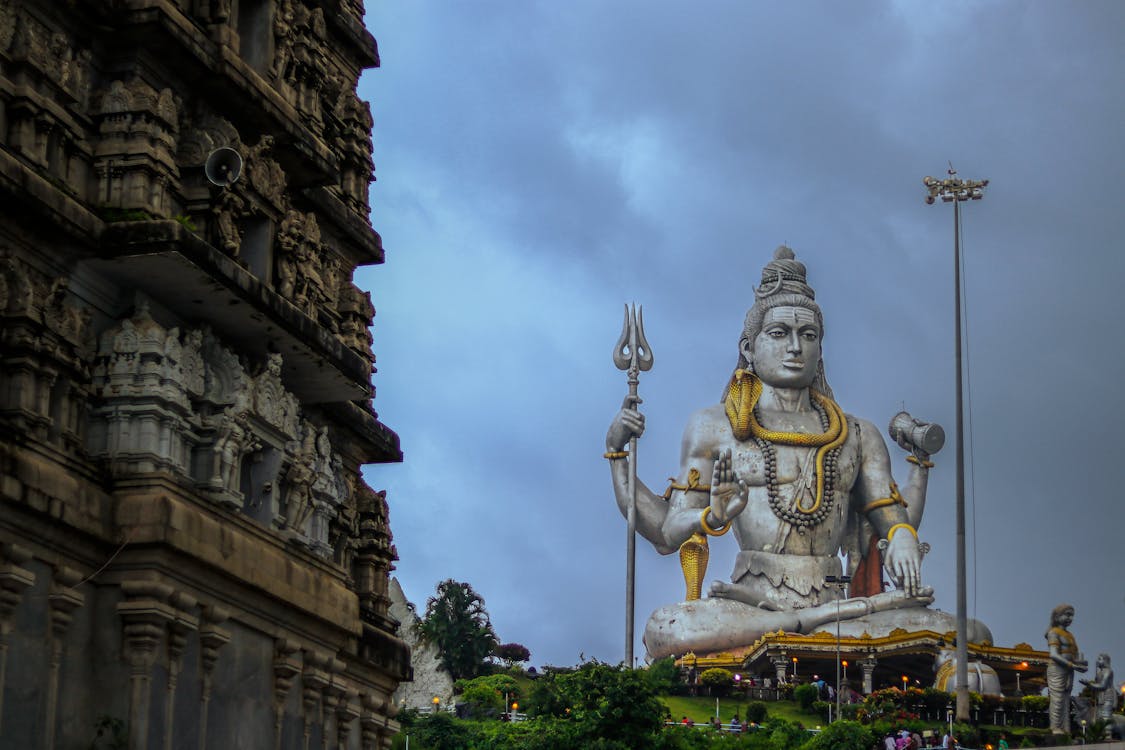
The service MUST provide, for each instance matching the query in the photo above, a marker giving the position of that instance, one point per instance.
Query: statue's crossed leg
(720, 623)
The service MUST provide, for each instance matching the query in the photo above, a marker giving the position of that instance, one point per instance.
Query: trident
(633, 355)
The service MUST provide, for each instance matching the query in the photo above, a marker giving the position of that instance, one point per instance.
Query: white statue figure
(232, 440)
(1105, 697)
(1065, 660)
(780, 464)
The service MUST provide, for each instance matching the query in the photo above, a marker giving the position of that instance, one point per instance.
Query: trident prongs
(632, 352)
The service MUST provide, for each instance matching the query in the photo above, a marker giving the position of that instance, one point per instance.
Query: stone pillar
(145, 615)
(61, 602)
(868, 664)
(375, 732)
(346, 712)
(13, 580)
(329, 699)
(285, 668)
(211, 639)
(313, 681)
(178, 630)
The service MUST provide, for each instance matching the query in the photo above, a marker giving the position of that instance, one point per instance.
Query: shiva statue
(796, 480)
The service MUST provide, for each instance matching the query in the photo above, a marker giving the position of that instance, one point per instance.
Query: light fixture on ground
(955, 190)
(840, 582)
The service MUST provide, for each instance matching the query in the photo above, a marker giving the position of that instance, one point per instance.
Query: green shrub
(1036, 702)
(663, 675)
(785, 735)
(842, 735)
(805, 695)
(756, 712)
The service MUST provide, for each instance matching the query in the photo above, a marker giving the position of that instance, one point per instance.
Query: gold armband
(692, 485)
(924, 463)
(616, 455)
(707, 528)
(891, 531)
(894, 499)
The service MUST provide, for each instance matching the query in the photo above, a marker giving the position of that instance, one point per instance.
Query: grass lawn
(702, 709)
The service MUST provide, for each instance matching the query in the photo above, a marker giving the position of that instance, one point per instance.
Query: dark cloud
(541, 163)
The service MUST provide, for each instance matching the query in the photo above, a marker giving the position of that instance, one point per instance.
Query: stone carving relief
(17, 292)
(233, 440)
(226, 210)
(52, 51)
(373, 554)
(355, 150)
(356, 314)
(264, 174)
(135, 156)
(7, 24)
(309, 274)
(277, 406)
(299, 59)
(203, 133)
(143, 421)
(315, 490)
(68, 320)
(43, 353)
(184, 402)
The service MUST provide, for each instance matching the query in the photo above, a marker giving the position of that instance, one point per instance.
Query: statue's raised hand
(728, 492)
(627, 424)
(903, 560)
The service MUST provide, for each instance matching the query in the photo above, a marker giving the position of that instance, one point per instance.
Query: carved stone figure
(226, 208)
(1066, 659)
(283, 26)
(299, 480)
(779, 462)
(289, 238)
(264, 174)
(232, 441)
(1105, 696)
(68, 320)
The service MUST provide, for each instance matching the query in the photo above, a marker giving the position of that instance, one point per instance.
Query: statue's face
(786, 352)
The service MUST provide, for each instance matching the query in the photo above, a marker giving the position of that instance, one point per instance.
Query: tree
(663, 675)
(512, 653)
(457, 623)
(607, 704)
(718, 679)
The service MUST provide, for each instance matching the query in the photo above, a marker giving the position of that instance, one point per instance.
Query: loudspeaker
(223, 166)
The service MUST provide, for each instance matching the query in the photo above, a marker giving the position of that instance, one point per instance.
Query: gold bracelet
(891, 531)
(615, 455)
(920, 461)
(707, 528)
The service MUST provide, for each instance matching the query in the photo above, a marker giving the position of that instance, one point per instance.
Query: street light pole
(840, 582)
(955, 190)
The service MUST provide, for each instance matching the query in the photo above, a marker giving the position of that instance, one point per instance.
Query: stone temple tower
(189, 557)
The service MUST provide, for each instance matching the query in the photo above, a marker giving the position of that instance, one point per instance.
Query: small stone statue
(1105, 699)
(1065, 661)
(232, 441)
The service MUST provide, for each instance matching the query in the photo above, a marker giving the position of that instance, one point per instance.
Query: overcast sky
(541, 163)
